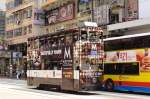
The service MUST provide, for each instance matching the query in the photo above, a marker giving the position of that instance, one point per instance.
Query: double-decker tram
(127, 63)
(68, 59)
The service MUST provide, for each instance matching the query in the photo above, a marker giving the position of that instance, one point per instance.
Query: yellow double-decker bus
(127, 63)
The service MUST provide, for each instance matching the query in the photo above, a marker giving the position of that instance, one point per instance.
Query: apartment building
(2, 23)
(104, 12)
(22, 22)
(3, 55)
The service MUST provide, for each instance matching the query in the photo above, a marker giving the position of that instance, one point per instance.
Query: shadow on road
(131, 92)
(67, 92)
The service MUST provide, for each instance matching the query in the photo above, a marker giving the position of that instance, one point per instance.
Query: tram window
(84, 35)
(68, 39)
(52, 65)
(61, 41)
(75, 38)
(92, 36)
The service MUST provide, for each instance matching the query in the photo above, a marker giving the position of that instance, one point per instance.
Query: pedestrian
(18, 74)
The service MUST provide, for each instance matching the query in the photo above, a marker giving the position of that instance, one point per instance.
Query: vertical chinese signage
(101, 14)
(132, 9)
(38, 17)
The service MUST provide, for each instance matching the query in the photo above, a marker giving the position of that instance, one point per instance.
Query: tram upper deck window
(75, 38)
(93, 36)
(68, 39)
(84, 35)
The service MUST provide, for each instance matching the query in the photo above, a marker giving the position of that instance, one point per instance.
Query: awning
(129, 24)
(45, 4)
(52, 4)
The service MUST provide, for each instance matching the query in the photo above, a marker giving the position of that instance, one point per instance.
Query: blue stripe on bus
(133, 88)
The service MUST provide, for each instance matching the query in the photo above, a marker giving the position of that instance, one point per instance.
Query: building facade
(4, 56)
(21, 23)
(31, 18)
(104, 12)
(2, 23)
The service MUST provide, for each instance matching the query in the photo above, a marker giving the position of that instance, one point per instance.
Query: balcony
(51, 4)
(47, 2)
(20, 7)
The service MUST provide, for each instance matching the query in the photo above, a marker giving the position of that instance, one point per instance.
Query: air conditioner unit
(18, 22)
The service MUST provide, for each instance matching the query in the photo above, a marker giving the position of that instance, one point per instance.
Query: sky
(2, 4)
(144, 7)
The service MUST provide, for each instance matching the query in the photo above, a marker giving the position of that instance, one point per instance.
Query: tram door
(67, 67)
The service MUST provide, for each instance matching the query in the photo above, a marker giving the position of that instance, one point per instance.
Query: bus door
(67, 69)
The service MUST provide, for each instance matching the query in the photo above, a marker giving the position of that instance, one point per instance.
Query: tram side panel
(46, 77)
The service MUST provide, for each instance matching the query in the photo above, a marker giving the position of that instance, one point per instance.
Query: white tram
(68, 59)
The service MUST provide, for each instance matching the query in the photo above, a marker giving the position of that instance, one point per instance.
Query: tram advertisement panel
(67, 62)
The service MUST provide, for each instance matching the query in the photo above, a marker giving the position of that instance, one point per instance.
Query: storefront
(4, 60)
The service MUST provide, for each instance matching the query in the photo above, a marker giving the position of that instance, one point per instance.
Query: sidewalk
(5, 77)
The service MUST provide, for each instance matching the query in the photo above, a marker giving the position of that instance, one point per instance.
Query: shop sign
(38, 17)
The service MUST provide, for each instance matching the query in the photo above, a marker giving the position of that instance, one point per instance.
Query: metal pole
(92, 10)
(11, 65)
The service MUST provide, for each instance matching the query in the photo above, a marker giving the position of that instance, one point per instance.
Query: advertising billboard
(60, 14)
(140, 55)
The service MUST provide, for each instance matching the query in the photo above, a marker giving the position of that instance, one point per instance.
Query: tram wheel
(109, 85)
(40, 87)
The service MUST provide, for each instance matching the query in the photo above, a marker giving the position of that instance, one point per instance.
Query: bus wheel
(109, 85)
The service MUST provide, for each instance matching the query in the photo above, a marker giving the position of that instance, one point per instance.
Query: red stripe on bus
(129, 83)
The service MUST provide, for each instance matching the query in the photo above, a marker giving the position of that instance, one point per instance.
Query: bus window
(127, 43)
(121, 68)
(112, 68)
(130, 69)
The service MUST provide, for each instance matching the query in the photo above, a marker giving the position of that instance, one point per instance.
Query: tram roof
(61, 32)
(127, 36)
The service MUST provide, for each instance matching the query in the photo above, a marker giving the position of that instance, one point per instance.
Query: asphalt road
(17, 89)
